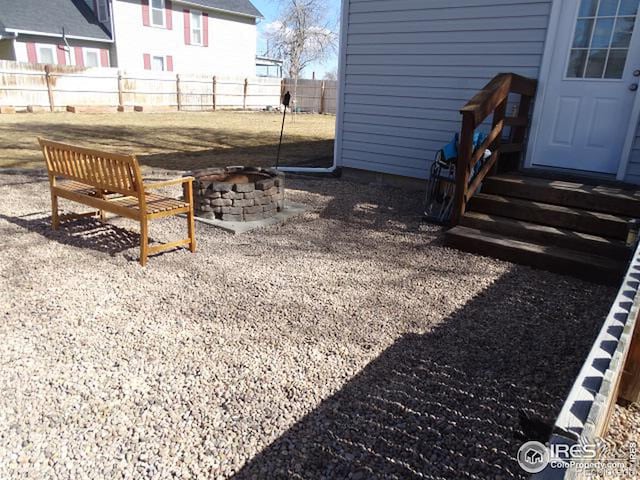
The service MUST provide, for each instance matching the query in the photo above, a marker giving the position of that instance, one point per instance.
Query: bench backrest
(102, 170)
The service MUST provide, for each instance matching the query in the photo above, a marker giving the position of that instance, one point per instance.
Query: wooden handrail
(492, 99)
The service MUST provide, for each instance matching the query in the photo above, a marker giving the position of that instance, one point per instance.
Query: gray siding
(411, 65)
(633, 168)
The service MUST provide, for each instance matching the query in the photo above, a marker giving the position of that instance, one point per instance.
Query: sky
(269, 9)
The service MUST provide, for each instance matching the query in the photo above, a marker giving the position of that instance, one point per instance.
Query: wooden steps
(566, 227)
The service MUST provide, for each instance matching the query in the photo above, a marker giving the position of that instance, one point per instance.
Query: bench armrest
(168, 183)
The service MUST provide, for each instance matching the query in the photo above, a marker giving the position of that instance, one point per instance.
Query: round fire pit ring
(238, 194)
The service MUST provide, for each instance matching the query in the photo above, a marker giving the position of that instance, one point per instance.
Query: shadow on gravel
(86, 233)
(444, 405)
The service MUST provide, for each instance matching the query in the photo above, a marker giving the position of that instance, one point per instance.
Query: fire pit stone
(239, 194)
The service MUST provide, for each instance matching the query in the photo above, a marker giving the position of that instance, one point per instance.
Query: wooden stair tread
(615, 200)
(572, 218)
(546, 234)
(592, 267)
(618, 192)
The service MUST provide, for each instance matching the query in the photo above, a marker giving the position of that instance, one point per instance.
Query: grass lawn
(174, 141)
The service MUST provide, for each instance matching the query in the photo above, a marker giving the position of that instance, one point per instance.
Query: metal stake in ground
(285, 101)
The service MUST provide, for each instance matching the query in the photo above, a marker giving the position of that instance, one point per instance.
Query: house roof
(50, 17)
(243, 7)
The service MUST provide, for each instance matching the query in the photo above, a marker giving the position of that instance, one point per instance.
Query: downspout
(342, 61)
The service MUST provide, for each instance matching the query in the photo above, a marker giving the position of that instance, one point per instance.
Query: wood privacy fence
(55, 88)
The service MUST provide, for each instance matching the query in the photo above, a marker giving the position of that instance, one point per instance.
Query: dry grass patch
(175, 141)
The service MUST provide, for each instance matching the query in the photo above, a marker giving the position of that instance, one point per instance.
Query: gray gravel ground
(347, 343)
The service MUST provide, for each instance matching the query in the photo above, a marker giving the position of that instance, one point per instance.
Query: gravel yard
(347, 343)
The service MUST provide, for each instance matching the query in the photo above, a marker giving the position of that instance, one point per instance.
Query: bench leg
(55, 217)
(144, 241)
(191, 225)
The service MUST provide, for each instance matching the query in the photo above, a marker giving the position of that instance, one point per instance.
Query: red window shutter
(205, 29)
(31, 53)
(187, 27)
(147, 61)
(79, 57)
(62, 55)
(104, 57)
(169, 63)
(145, 13)
(169, 14)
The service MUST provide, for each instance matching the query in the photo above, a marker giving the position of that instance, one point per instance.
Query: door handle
(636, 73)
(633, 87)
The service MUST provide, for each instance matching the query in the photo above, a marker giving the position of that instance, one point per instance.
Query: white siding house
(214, 36)
(184, 36)
(408, 66)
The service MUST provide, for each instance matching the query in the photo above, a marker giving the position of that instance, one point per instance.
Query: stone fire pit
(238, 194)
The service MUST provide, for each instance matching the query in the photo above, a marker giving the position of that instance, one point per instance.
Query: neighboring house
(407, 67)
(191, 36)
(62, 32)
(268, 67)
(195, 36)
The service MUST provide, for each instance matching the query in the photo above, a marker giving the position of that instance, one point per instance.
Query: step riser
(566, 220)
(563, 196)
(547, 238)
(536, 260)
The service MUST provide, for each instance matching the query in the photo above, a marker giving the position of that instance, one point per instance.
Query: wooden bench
(113, 183)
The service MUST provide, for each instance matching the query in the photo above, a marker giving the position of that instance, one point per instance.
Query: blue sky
(269, 9)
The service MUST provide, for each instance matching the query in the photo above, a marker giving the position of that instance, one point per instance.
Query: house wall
(231, 49)
(70, 56)
(633, 168)
(409, 66)
(7, 52)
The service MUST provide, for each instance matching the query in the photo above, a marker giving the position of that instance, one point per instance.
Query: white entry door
(591, 87)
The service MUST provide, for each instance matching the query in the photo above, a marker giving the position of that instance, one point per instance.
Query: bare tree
(302, 34)
(331, 75)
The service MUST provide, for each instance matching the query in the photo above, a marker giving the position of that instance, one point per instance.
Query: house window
(196, 27)
(46, 54)
(157, 13)
(157, 63)
(91, 57)
(601, 39)
(103, 10)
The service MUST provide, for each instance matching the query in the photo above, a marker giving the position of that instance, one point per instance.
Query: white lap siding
(411, 65)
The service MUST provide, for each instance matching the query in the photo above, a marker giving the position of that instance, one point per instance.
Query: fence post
(47, 76)
(244, 96)
(178, 92)
(214, 93)
(322, 87)
(120, 92)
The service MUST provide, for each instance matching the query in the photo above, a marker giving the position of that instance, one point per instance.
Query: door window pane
(602, 37)
(602, 33)
(615, 64)
(608, 8)
(576, 63)
(595, 63)
(588, 8)
(628, 7)
(622, 32)
(583, 33)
